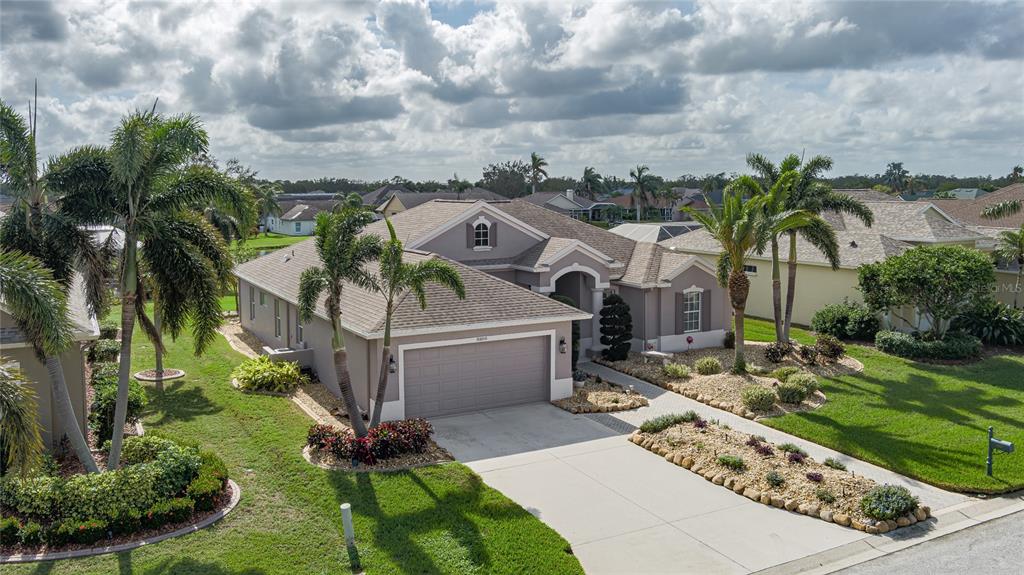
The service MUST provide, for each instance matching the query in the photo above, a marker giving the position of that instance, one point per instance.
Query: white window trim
(252, 303)
(277, 318)
(693, 289)
(298, 330)
(487, 224)
(263, 298)
(699, 311)
(750, 273)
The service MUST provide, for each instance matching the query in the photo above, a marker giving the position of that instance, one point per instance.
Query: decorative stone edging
(590, 408)
(168, 375)
(236, 494)
(236, 385)
(922, 513)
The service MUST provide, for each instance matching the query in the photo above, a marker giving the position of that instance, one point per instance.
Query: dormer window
(481, 235)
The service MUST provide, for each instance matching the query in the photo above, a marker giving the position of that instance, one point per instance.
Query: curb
(180, 374)
(236, 495)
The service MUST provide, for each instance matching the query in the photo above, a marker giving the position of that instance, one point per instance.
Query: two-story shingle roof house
(507, 342)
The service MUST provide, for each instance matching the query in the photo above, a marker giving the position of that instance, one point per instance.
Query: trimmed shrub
(824, 495)
(834, 463)
(9, 527)
(782, 374)
(730, 340)
(774, 478)
(795, 457)
(169, 511)
(109, 328)
(708, 365)
(31, 533)
(101, 413)
(732, 462)
(82, 532)
(104, 350)
(757, 398)
(791, 448)
(143, 449)
(808, 353)
(954, 346)
(663, 422)
(806, 380)
(676, 370)
(791, 392)
(616, 328)
(993, 322)
(777, 351)
(209, 483)
(829, 346)
(764, 449)
(888, 502)
(104, 372)
(260, 373)
(31, 496)
(127, 521)
(846, 320)
(815, 476)
(387, 440)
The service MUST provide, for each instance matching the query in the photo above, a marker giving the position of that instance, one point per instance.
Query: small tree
(616, 328)
(940, 282)
(575, 328)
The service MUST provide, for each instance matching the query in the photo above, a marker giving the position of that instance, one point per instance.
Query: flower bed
(783, 476)
(598, 396)
(161, 486)
(723, 390)
(390, 445)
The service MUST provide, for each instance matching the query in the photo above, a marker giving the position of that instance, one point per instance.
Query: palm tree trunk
(739, 363)
(66, 414)
(791, 287)
(158, 324)
(128, 294)
(345, 378)
(382, 381)
(780, 335)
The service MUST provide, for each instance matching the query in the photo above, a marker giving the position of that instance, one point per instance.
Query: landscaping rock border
(236, 495)
(592, 397)
(716, 475)
(168, 375)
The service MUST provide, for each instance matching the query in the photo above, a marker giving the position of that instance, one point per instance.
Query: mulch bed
(722, 390)
(222, 502)
(601, 397)
(697, 449)
(433, 455)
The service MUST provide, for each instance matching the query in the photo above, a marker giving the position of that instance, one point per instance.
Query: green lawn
(439, 519)
(272, 241)
(923, 420)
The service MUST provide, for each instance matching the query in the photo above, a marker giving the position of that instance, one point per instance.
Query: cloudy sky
(425, 89)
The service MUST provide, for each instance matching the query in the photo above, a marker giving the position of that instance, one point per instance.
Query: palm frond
(312, 283)
(822, 236)
(36, 301)
(1002, 209)
(20, 441)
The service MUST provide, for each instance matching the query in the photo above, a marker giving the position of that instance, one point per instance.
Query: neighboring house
(898, 226)
(298, 217)
(504, 343)
(15, 351)
(963, 194)
(915, 196)
(670, 209)
(653, 232)
(571, 204)
(382, 194)
(401, 201)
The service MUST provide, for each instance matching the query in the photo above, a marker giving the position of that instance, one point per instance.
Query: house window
(691, 311)
(277, 317)
(481, 235)
(263, 298)
(298, 330)
(298, 226)
(252, 302)
(750, 270)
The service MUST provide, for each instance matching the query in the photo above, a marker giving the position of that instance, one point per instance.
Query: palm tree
(537, 171)
(737, 226)
(344, 254)
(20, 441)
(396, 280)
(896, 177)
(1010, 247)
(778, 220)
(266, 200)
(1002, 209)
(1016, 174)
(38, 304)
(643, 184)
(809, 194)
(592, 183)
(145, 185)
(35, 227)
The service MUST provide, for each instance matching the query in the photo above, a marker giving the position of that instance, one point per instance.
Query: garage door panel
(461, 378)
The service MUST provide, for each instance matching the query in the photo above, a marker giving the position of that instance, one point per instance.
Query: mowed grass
(438, 519)
(923, 420)
(270, 241)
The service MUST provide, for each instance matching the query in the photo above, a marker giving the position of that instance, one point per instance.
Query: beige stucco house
(898, 226)
(17, 352)
(508, 341)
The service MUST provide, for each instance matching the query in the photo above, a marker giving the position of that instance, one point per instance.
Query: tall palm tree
(592, 183)
(537, 171)
(736, 225)
(344, 254)
(643, 185)
(34, 226)
(1016, 174)
(810, 194)
(38, 304)
(896, 177)
(20, 441)
(266, 200)
(145, 185)
(779, 220)
(398, 280)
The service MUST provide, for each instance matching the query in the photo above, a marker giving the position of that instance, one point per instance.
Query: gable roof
(306, 211)
(653, 232)
(413, 199)
(363, 311)
(968, 212)
(382, 194)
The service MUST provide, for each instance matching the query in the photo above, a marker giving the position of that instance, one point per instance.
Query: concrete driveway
(622, 508)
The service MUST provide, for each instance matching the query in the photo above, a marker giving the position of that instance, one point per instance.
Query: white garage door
(460, 378)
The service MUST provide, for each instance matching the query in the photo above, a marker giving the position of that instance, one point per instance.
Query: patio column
(597, 295)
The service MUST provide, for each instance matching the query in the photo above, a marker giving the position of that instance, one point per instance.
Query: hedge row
(953, 346)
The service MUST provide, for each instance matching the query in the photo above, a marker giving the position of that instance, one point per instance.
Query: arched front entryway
(585, 286)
